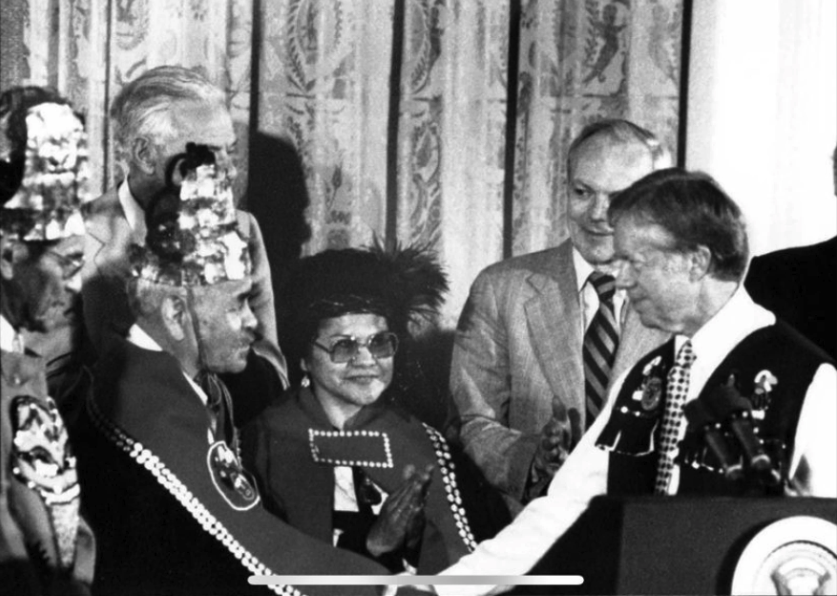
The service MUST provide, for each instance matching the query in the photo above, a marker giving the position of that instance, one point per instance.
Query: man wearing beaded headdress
(339, 457)
(174, 510)
(45, 546)
(154, 116)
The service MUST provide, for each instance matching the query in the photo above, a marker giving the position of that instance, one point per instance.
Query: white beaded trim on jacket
(184, 496)
(446, 468)
(315, 454)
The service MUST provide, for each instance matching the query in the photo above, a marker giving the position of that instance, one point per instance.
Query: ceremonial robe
(45, 546)
(292, 448)
(174, 513)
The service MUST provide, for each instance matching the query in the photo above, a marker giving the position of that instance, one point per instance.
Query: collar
(138, 336)
(583, 269)
(737, 319)
(10, 339)
(133, 212)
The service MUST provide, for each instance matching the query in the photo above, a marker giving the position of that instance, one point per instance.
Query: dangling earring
(305, 382)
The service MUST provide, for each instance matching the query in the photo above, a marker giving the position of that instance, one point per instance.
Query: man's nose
(73, 283)
(624, 279)
(249, 320)
(227, 162)
(601, 203)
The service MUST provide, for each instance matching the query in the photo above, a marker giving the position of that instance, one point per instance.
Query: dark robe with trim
(164, 523)
(30, 560)
(296, 473)
(632, 432)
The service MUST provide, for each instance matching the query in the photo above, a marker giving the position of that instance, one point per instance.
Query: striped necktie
(600, 343)
(677, 388)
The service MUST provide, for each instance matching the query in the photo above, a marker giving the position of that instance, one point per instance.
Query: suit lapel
(554, 320)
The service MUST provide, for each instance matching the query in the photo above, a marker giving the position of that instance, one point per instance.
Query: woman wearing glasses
(335, 456)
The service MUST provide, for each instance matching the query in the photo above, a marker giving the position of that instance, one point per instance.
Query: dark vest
(632, 432)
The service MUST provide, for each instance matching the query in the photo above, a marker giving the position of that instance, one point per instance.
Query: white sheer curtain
(762, 113)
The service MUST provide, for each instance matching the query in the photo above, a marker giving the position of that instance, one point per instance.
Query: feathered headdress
(404, 285)
(193, 237)
(43, 167)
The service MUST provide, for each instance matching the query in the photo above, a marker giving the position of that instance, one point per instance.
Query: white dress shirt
(10, 340)
(584, 475)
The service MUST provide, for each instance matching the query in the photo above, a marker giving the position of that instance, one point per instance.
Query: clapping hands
(401, 520)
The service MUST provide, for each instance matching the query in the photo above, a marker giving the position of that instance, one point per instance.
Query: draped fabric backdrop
(385, 118)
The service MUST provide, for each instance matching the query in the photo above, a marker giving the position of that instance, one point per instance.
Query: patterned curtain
(87, 49)
(581, 61)
(383, 118)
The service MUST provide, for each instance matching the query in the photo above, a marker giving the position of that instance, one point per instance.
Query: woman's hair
(404, 285)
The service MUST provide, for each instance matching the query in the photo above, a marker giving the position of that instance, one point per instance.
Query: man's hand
(558, 438)
(401, 520)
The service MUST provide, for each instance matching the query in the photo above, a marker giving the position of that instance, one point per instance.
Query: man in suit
(522, 387)
(681, 251)
(154, 116)
(799, 284)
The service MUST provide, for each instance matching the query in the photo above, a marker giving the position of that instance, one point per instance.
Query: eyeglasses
(380, 345)
(70, 264)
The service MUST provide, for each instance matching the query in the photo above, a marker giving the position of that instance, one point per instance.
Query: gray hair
(143, 107)
(695, 210)
(621, 132)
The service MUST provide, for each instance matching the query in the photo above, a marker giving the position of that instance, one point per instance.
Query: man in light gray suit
(520, 379)
(154, 116)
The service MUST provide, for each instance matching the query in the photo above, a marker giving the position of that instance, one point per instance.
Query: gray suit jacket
(106, 270)
(517, 348)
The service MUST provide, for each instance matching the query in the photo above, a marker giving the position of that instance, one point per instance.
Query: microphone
(699, 417)
(736, 410)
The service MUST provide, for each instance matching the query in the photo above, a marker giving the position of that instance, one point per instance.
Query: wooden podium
(653, 545)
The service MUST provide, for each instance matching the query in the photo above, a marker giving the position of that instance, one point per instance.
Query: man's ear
(143, 154)
(175, 316)
(303, 365)
(701, 261)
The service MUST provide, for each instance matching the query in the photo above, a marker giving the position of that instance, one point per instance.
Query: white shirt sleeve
(516, 549)
(814, 461)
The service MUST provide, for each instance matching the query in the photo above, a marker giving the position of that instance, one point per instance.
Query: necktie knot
(604, 284)
(685, 356)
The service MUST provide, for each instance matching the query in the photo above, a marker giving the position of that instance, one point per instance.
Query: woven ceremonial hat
(45, 183)
(193, 237)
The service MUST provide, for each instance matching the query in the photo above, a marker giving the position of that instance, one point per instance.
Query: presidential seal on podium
(795, 555)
